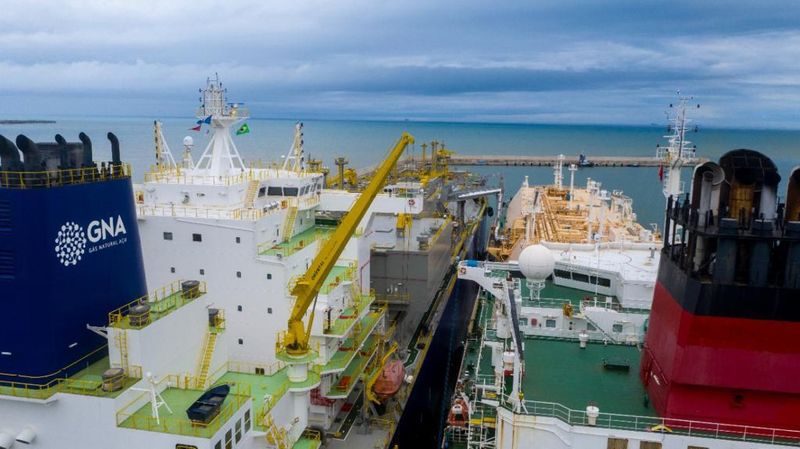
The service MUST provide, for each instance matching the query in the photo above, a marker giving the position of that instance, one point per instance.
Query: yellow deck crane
(305, 290)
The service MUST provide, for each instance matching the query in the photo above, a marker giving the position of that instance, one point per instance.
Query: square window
(550, 323)
(259, 370)
(238, 274)
(617, 443)
(167, 236)
(239, 308)
(247, 420)
(241, 341)
(523, 321)
(590, 327)
(616, 328)
(197, 237)
(269, 310)
(238, 240)
(649, 445)
(202, 271)
(171, 269)
(269, 276)
(238, 430)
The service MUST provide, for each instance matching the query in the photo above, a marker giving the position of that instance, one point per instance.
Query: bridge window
(261, 372)
(603, 282)
(247, 414)
(617, 443)
(262, 191)
(167, 236)
(696, 447)
(197, 237)
(561, 274)
(275, 191)
(185, 446)
(290, 191)
(238, 430)
(550, 323)
(616, 328)
(580, 277)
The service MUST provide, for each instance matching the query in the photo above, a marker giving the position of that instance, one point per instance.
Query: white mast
(294, 159)
(220, 158)
(164, 159)
(679, 152)
(558, 174)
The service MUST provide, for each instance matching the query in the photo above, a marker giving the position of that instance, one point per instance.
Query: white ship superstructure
(226, 243)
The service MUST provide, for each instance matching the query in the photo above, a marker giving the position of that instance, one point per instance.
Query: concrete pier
(548, 161)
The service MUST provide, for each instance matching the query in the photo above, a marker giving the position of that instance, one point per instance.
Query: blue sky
(533, 62)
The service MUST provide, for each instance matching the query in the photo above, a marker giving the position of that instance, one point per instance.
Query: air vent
(6, 264)
(5, 216)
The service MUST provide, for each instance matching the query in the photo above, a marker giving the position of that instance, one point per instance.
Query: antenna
(156, 400)
(294, 158)
(679, 151)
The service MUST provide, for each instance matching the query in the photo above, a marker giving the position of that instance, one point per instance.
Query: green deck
(335, 277)
(178, 423)
(87, 382)
(346, 380)
(341, 324)
(297, 242)
(347, 351)
(560, 371)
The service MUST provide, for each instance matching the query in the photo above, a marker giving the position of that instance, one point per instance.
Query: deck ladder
(275, 436)
(288, 225)
(205, 361)
(122, 344)
(250, 197)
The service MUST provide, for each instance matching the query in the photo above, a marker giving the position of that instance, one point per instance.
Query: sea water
(365, 143)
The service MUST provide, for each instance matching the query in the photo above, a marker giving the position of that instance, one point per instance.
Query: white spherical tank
(536, 262)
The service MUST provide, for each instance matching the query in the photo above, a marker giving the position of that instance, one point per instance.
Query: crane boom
(308, 285)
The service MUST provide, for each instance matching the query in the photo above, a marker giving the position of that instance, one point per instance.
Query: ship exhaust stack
(33, 157)
(9, 155)
(115, 158)
(725, 301)
(88, 161)
(63, 152)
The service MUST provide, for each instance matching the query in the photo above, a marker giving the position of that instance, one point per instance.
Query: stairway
(205, 362)
(275, 436)
(122, 344)
(250, 197)
(288, 225)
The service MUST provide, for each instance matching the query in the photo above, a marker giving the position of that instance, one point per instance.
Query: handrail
(62, 385)
(62, 177)
(166, 298)
(703, 429)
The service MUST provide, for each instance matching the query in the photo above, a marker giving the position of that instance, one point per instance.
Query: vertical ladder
(288, 225)
(122, 344)
(205, 361)
(250, 197)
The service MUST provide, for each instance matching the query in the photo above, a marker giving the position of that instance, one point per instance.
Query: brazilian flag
(244, 129)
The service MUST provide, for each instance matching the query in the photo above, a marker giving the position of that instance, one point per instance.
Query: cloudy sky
(556, 61)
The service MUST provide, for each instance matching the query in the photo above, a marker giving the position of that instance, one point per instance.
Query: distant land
(26, 122)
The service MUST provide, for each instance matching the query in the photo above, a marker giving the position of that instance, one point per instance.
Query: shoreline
(26, 122)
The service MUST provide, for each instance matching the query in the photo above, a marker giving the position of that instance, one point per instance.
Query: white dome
(188, 141)
(536, 262)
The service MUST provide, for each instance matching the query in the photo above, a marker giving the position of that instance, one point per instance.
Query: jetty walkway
(549, 161)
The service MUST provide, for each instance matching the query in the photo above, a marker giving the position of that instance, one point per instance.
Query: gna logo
(71, 240)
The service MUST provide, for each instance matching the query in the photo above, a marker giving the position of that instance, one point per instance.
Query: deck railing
(161, 301)
(699, 429)
(62, 177)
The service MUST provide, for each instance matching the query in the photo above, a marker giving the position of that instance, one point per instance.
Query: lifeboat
(459, 413)
(390, 380)
(207, 407)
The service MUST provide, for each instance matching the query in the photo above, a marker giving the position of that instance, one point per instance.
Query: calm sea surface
(364, 143)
